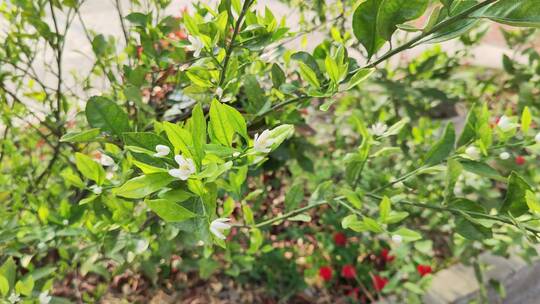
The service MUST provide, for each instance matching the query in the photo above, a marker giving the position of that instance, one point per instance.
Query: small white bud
(504, 155)
(473, 152)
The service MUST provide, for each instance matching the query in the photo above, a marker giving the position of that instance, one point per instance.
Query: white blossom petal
(162, 151)
(44, 298)
(473, 152)
(218, 226)
(378, 129)
(106, 160)
(505, 124)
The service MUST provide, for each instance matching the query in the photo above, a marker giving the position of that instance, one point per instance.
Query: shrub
(215, 148)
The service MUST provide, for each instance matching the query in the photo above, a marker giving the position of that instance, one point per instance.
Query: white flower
(186, 168)
(236, 154)
(537, 138)
(162, 151)
(397, 238)
(504, 155)
(218, 226)
(378, 129)
(106, 160)
(219, 92)
(473, 152)
(14, 298)
(262, 143)
(196, 45)
(44, 298)
(96, 189)
(505, 124)
(141, 246)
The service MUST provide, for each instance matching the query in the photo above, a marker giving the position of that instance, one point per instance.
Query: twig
(238, 25)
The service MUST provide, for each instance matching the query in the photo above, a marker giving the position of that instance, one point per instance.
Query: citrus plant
(205, 142)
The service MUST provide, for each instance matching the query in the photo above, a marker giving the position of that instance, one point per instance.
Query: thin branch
(238, 25)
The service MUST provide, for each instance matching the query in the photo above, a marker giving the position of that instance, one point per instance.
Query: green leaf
(25, 286)
(248, 214)
(89, 168)
(365, 26)
(332, 69)
(228, 207)
(221, 126)
(169, 210)
(525, 13)
(526, 119)
(198, 132)
(384, 209)
(443, 148)
(396, 128)
(352, 197)
(408, 235)
(71, 178)
(255, 95)
(4, 286)
(532, 202)
(176, 195)
(308, 75)
(294, 197)
(394, 12)
(278, 76)
(106, 115)
(469, 130)
(144, 185)
(471, 230)
(372, 225)
(515, 201)
(180, 138)
(453, 170)
(237, 121)
(8, 271)
(460, 26)
(83, 136)
(482, 169)
(396, 217)
(255, 241)
(302, 217)
(359, 77)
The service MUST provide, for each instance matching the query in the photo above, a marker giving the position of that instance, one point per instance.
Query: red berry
(385, 254)
(325, 272)
(520, 160)
(348, 271)
(340, 239)
(379, 282)
(423, 269)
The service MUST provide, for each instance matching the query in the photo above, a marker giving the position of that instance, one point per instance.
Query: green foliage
(215, 147)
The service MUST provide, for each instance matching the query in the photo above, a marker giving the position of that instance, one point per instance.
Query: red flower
(423, 269)
(520, 160)
(385, 254)
(348, 271)
(325, 272)
(340, 239)
(379, 282)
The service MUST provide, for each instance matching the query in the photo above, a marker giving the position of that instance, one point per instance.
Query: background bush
(342, 174)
